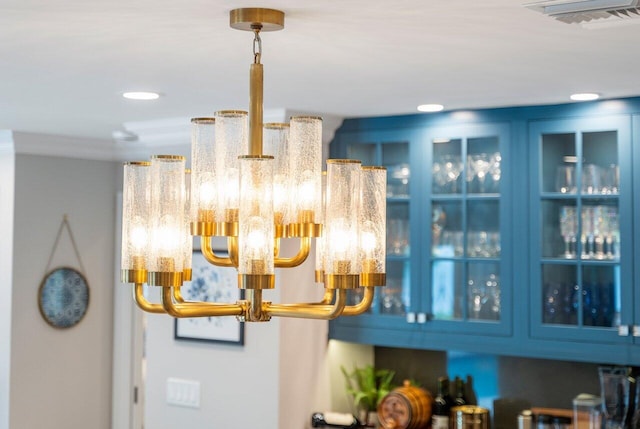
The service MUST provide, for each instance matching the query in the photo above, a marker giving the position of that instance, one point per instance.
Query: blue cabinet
(581, 229)
(510, 231)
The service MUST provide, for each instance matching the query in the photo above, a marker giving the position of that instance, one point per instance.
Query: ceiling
(65, 63)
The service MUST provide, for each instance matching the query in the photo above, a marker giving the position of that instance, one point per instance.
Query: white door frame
(127, 402)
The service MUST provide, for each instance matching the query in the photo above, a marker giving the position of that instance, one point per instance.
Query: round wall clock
(63, 297)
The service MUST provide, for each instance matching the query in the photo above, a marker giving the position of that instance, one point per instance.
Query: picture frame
(210, 283)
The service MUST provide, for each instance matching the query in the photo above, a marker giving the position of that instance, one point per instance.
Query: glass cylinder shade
(166, 250)
(276, 144)
(256, 227)
(187, 246)
(320, 241)
(231, 142)
(373, 215)
(342, 217)
(135, 215)
(203, 180)
(305, 165)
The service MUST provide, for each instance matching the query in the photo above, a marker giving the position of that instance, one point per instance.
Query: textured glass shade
(276, 144)
(166, 250)
(255, 238)
(305, 164)
(203, 186)
(320, 241)
(342, 217)
(231, 142)
(187, 246)
(373, 214)
(135, 215)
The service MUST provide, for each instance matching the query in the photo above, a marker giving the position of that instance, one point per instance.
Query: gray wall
(61, 379)
(544, 383)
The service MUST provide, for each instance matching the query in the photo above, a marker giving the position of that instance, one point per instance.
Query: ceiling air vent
(586, 11)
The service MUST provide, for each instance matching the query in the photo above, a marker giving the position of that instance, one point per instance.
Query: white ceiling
(64, 63)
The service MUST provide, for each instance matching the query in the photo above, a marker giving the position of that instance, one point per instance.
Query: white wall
(61, 379)
(6, 265)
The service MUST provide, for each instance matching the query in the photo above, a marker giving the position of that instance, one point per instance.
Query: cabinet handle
(623, 330)
(422, 318)
(411, 317)
(635, 331)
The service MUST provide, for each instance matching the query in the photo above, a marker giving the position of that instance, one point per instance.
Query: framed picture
(211, 284)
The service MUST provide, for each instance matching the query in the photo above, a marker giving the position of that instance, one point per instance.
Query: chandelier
(254, 184)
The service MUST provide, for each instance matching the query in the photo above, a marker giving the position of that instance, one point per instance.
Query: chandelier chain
(257, 46)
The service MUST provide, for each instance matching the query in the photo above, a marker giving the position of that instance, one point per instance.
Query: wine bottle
(441, 405)
(460, 398)
(334, 420)
(470, 392)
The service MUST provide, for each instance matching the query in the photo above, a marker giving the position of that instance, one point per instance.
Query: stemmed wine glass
(481, 167)
(452, 169)
(568, 229)
(588, 232)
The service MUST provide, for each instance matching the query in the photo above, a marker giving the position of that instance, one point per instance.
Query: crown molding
(141, 139)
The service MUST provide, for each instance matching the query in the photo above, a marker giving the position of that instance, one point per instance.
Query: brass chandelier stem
(256, 81)
(192, 309)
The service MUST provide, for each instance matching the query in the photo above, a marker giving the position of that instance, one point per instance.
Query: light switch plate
(183, 393)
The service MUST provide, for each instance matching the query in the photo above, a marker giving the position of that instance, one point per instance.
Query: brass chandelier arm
(141, 301)
(309, 311)
(363, 305)
(303, 253)
(328, 296)
(211, 257)
(196, 309)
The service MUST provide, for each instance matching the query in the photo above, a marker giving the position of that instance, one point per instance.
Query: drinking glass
(495, 170)
(566, 179)
(591, 175)
(481, 166)
(452, 166)
(568, 229)
(612, 238)
(614, 388)
(588, 232)
(398, 236)
(611, 180)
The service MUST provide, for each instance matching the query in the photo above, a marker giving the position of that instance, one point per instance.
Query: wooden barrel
(406, 407)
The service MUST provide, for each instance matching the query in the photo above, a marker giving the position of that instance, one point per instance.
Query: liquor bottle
(469, 392)
(441, 405)
(460, 398)
(335, 420)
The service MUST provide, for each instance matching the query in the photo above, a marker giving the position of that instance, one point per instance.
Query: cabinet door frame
(380, 138)
(501, 130)
(578, 126)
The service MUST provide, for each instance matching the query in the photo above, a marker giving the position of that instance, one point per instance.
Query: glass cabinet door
(467, 209)
(582, 284)
(393, 300)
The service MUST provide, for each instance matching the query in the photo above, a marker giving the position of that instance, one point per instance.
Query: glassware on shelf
(446, 174)
(600, 236)
(398, 180)
(569, 230)
(483, 244)
(480, 166)
(591, 179)
(484, 297)
(451, 244)
(398, 236)
(566, 179)
(611, 180)
(391, 302)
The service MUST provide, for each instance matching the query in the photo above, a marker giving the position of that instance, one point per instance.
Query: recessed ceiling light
(585, 96)
(430, 107)
(141, 95)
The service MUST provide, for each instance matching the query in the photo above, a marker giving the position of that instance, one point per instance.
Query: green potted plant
(368, 386)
